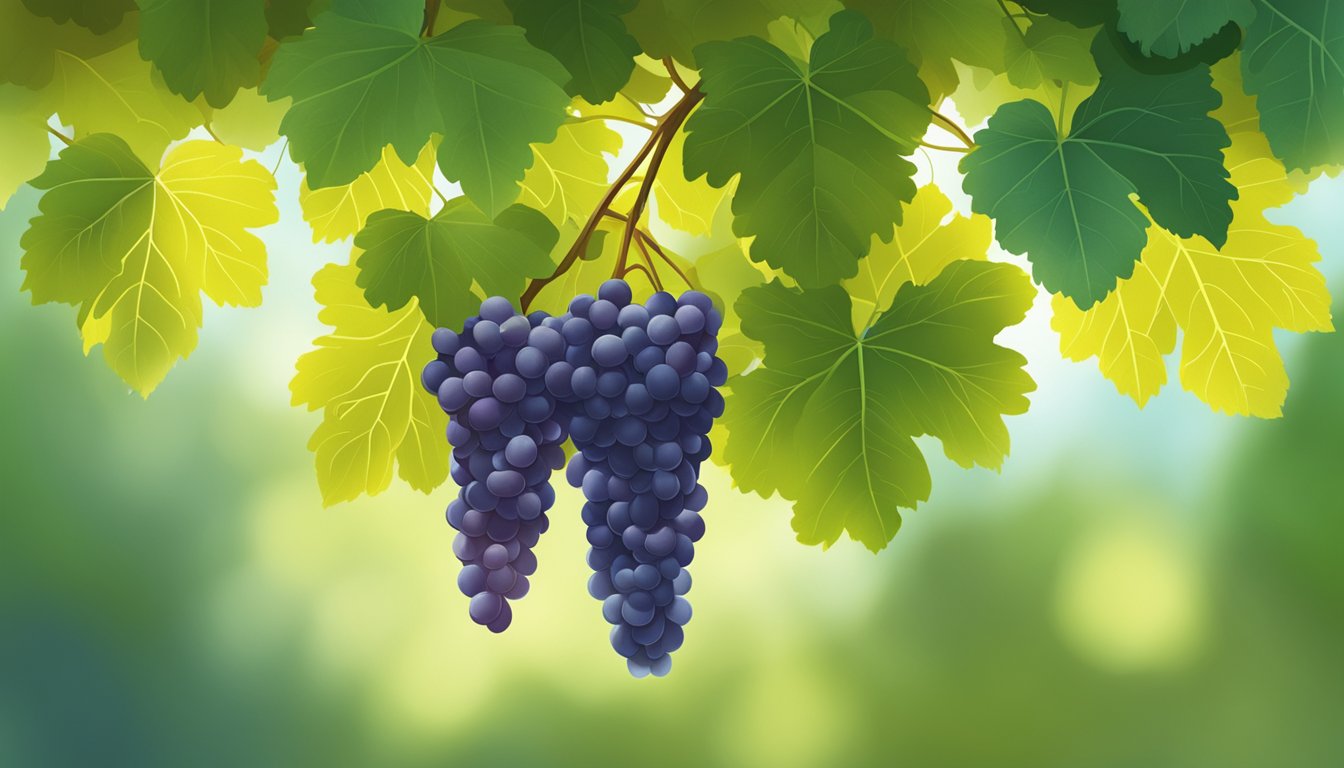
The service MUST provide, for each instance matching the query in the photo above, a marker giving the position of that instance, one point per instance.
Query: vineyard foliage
(1128, 158)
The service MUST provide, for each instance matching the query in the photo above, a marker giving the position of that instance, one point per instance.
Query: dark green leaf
(204, 46)
(1293, 62)
(363, 78)
(1064, 200)
(587, 36)
(1080, 13)
(820, 146)
(1168, 29)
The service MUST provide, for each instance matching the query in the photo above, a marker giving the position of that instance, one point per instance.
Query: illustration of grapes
(584, 234)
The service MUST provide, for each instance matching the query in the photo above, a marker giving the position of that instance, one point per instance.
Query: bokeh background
(1155, 587)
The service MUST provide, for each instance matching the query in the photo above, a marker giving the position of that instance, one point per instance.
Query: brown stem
(642, 198)
(652, 279)
(68, 141)
(431, 16)
(672, 72)
(663, 255)
(648, 263)
(952, 127)
(669, 122)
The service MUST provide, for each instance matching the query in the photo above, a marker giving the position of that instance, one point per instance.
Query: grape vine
(1123, 155)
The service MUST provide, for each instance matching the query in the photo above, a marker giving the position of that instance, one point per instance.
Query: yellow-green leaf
(249, 121)
(1226, 301)
(365, 376)
(117, 92)
(684, 204)
(135, 249)
(569, 175)
(926, 241)
(335, 213)
(24, 142)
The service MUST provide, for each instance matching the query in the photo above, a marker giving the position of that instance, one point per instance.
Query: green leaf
(290, 18)
(205, 47)
(587, 36)
(436, 260)
(24, 141)
(137, 248)
(675, 27)
(363, 79)
(828, 421)
(99, 16)
(1049, 50)
(335, 213)
(1293, 61)
(934, 32)
(29, 44)
(820, 147)
(1212, 50)
(1064, 199)
(569, 175)
(1168, 28)
(365, 376)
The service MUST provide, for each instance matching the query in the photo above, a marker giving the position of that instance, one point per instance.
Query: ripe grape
(490, 379)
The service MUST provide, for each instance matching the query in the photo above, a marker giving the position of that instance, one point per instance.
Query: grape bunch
(506, 441)
(635, 388)
(643, 387)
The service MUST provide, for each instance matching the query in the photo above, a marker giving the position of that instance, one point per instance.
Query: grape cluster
(635, 387)
(490, 380)
(642, 382)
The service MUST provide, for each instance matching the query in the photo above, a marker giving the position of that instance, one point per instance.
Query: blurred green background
(1156, 587)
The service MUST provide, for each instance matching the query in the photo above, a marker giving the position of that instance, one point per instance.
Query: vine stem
(431, 16)
(672, 72)
(952, 127)
(1013, 20)
(68, 141)
(642, 197)
(667, 125)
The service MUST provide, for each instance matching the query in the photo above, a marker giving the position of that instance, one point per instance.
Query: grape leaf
(568, 176)
(1064, 199)
(365, 376)
(99, 16)
(649, 82)
(686, 204)
(926, 242)
(137, 248)
(29, 44)
(587, 36)
(249, 121)
(1049, 50)
(819, 147)
(1293, 60)
(24, 141)
(828, 421)
(436, 260)
(675, 27)
(205, 47)
(1169, 29)
(363, 78)
(1227, 301)
(335, 213)
(935, 32)
(117, 93)
(981, 92)
(291, 18)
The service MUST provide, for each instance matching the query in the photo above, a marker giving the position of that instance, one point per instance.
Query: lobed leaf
(819, 147)
(365, 376)
(587, 36)
(135, 249)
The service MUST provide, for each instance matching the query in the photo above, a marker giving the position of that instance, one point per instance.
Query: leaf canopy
(1064, 199)
(363, 78)
(1227, 301)
(820, 147)
(1168, 29)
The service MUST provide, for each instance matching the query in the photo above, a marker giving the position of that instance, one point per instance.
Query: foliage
(1132, 152)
